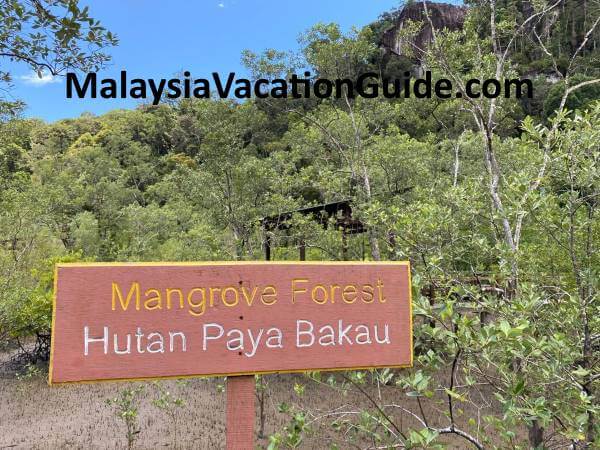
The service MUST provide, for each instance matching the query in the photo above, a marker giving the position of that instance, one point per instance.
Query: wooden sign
(157, 320)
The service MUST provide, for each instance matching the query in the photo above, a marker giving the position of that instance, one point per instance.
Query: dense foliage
(495, 203)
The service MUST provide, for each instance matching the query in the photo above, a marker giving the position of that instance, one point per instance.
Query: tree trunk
(536, 435)
(375, 253)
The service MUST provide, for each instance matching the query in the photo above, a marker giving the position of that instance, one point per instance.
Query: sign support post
(239, 423)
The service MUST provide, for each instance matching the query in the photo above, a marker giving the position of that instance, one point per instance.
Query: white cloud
(221, 5)
(33, 78)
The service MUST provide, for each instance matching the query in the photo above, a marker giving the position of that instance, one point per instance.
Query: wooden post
(267, 246)
(239, 423)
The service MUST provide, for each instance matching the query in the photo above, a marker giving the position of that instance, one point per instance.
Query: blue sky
(161, 38)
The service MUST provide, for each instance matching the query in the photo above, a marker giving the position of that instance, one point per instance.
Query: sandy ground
(34, 415)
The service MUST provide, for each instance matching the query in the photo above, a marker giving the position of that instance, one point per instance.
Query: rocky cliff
(443, 15)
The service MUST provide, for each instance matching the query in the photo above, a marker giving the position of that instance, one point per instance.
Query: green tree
(50, 37)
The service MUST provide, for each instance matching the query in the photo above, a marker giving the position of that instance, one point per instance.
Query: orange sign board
(157, 320)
